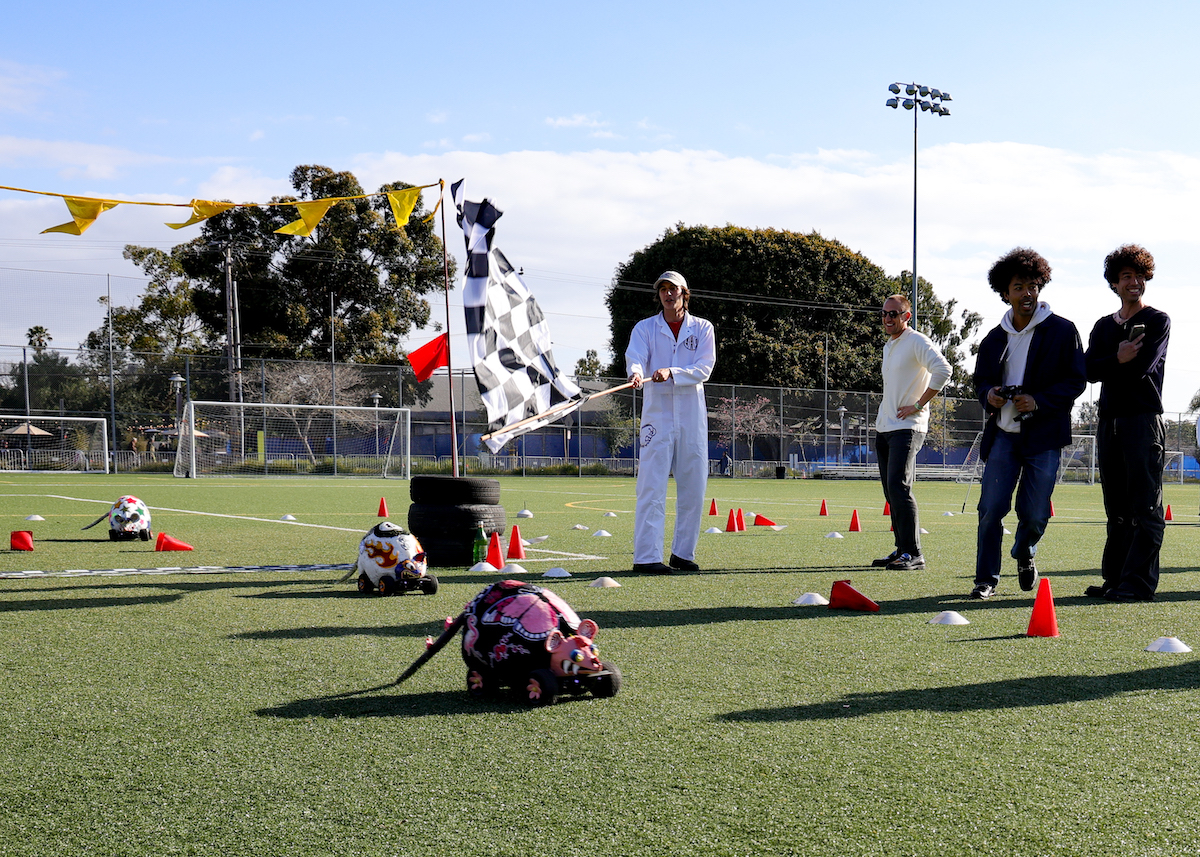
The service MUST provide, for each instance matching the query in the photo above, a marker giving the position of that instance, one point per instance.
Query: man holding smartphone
(1127, 353)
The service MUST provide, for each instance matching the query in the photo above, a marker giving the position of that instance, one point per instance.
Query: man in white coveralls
(678, 351)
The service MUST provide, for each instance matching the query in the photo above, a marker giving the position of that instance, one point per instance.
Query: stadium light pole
(176, 381)
(926, 99)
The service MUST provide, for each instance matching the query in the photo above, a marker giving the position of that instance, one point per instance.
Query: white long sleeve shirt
(912, 364)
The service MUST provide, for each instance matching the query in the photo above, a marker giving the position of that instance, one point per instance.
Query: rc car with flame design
(391, 561)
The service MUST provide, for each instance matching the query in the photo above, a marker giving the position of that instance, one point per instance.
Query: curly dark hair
(1018, 262)
(1132, 256)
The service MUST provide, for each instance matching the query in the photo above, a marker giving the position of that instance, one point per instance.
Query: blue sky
(595, 128)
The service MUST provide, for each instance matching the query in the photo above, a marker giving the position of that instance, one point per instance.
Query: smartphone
(1136, 331)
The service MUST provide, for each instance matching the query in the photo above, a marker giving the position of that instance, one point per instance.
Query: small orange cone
(712, 509)
(382, 508)
(855, 526)
(741, 522)
(21, 540)
(846, 597)
(731, 524)
(493, 557)
(824, 511)
(516, 550)
(1043, 622)
(887, 507)
(1168, 517)
(763, 521)
(166, 543)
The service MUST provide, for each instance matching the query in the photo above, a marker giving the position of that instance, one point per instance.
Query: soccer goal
(53, 444)
(255, 439)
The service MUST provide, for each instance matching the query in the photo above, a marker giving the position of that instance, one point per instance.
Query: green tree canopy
(776, 298)
(356, 263)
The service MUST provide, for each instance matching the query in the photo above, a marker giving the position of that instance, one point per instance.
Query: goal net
(972, 467)
(256, 439)
(45, 444)
(1079, 460)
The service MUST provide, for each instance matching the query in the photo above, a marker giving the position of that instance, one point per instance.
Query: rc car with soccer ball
(128, 519)
(392, 562)
(524, 637)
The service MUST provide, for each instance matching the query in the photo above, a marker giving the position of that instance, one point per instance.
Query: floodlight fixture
(894, 89)
(911, 89)
(893, 103)
(908, 104)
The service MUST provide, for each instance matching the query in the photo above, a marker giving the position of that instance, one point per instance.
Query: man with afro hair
(1028, 373)
(1127, 353)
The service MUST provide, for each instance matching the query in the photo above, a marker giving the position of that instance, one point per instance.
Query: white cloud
(579, 120)
(22, 86)
(72, 159)
(482, 137)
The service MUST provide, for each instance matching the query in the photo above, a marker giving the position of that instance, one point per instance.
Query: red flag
(430, 356)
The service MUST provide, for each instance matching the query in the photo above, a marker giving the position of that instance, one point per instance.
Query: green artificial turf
(250, 713)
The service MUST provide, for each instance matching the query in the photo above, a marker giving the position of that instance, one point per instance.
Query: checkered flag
(507, 334)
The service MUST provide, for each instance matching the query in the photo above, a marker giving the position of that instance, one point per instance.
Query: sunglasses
(891, 313)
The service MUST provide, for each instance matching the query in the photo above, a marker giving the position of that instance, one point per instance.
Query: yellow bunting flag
(403, 202)
(310, 215)
(202, 209)
(84, 211)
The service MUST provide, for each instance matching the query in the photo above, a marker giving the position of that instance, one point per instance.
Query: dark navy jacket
(1055, 375)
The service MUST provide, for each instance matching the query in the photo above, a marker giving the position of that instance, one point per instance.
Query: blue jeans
(1033, 478)
(897, 455)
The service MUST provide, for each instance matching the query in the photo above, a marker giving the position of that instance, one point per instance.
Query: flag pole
(449, 367)
(565, 407)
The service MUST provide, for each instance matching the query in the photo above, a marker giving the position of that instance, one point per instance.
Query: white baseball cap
(671, 277)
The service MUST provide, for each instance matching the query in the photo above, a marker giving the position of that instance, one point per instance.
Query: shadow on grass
(174, 591)
(984, 696)
(355, 704)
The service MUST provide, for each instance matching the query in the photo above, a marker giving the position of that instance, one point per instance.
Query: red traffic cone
(493, 557)
(731, 525)
(1043, 622)
(21, 540)
(741, 522)
(1167, 517)
(383, 507)
(846, 597)
(516, 550)
(855, 526)
(712, 509)
(166, 543)
(887, 507)
(824, 511)
(763, 521)
(1051, 508)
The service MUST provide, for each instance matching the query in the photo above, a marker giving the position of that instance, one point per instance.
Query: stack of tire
(447, 510)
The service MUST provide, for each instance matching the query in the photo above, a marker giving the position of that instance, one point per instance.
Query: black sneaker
(1027, 574)
(651, 568)
(983, 590)
(683, 564)
(883, 561)
(906, 562)
(1096, 591)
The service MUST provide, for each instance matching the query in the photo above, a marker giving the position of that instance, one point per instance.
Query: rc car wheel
(542, 688)
(607, 685)
(387, 585)
(365, 584)
(112, 535)
(144, 535)
(454, 491)
(429, 584)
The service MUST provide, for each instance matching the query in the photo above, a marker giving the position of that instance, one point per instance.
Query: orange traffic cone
(1043, 622)
(887, 507)
(1168, 517)
(731, 524)
(824, 511)
(516, 550)
(741, 522)
(763, 521)
(166, 543)
(855, 526)
(21, 540)
(1051, 508)
(712, 509)
(846, 597)
(493, 557)
(382, 508)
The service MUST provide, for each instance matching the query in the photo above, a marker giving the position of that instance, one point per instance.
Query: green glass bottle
(481, 544)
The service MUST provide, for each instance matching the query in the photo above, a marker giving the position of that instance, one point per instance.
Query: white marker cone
(602, 533)
(949, 617)
(524, 513)
(610, 514)
(580, 527)
(288, 518)
(811, 599)
(513, 568)
(483, 566)
(835, 536)
(35, 518)
(604, 583)
(557, 572)
(1168, 644)
(714, 530)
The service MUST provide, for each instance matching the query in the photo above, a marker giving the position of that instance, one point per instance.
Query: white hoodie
(1016, 353)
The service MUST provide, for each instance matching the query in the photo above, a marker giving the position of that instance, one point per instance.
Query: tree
(356, 265)
(777, 300)
(588, 366)
(38, 337)
(744, 419)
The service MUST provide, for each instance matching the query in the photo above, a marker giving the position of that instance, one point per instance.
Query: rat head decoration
(576, 654)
